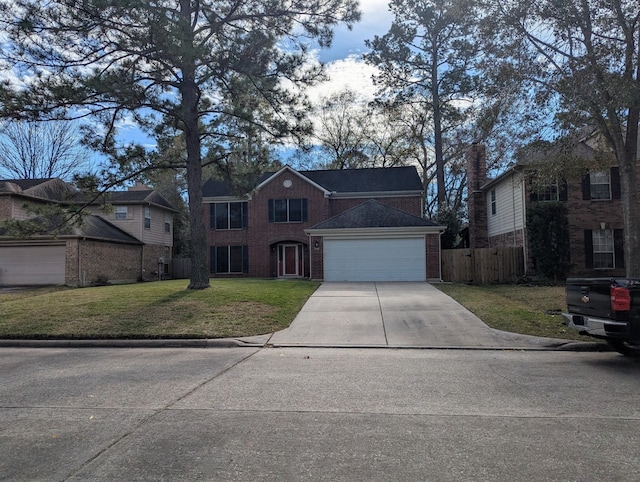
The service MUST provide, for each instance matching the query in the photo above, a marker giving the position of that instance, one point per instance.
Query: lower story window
(229, 259)
(603, 253)
(604, 248)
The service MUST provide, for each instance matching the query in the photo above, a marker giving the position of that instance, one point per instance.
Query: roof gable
(300, 174)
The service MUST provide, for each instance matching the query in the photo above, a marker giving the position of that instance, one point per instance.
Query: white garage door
(32, 265)
(374, 259)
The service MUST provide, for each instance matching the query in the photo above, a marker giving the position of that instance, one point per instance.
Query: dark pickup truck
(606, 308)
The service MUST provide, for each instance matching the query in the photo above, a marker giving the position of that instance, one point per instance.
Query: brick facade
(264, 239)
(476, 176)
(87, 261)
(434, 263)
(584, 215)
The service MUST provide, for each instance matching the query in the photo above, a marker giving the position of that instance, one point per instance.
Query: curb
(263, 342)
(122, 343)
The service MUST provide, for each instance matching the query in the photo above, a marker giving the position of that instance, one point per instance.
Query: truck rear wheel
(627, 348)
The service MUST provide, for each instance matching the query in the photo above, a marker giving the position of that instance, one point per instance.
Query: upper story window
(167, 223)
(600, 185)
(288, 210)
(121, 212)
(228, 215)
(555, 191)
(493, 201)
(547, 193)
(147, 217)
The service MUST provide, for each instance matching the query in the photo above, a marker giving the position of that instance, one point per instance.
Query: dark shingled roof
(381, 179)
(92, 227)
(146, 196)
(367, 180)
(52, 189)
(373, 214)
(96, 227)
(139, 197)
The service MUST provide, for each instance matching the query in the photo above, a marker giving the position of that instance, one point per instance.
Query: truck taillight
(620, 299)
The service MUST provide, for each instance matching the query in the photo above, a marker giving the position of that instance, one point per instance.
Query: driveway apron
(394, 314)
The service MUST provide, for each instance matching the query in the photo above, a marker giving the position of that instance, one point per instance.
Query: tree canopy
(37, 150)
(426, 61)
(201, 69)
(582, 60)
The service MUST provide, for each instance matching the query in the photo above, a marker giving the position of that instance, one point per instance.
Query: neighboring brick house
(335, 225)
(105, 246)
(497, 211)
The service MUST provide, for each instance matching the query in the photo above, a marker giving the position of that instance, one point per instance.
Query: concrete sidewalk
(394, 315)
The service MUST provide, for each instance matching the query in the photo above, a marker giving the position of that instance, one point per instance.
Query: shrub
(548, 234)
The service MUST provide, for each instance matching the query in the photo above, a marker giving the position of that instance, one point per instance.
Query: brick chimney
(477, 202)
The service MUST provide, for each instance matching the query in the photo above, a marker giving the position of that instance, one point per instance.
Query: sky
(343, 60)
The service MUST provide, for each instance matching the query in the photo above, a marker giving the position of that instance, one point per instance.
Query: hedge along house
(332, 225)
(498, 208)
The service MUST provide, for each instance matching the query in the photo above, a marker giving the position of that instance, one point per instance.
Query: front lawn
(529, 310)
(165, 309)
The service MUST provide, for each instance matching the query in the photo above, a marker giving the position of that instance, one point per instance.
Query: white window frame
(599, 179)
(549, 193)
(604, 256)
(147, 217)
(120, 211)
(494, 207)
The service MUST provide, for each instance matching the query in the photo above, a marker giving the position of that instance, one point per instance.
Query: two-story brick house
(497, 211)
(354, 225)
(132, 241)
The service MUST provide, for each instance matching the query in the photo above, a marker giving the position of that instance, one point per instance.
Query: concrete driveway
(395, 314)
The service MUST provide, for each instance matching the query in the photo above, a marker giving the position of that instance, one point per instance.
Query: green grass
(529, 310)
(242, 307)
(230, 308)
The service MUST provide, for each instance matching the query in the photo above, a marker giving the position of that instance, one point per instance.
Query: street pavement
(372, 381)
(322, 414)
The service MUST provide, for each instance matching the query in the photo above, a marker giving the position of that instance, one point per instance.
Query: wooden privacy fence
(181, 268)
(483, 266)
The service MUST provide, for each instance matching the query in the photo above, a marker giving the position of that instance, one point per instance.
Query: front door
(289, 259)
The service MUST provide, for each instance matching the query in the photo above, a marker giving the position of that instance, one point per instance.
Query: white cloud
(350, 73)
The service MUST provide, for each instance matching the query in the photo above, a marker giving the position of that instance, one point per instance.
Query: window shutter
(245, 259)
(586, 187)
(245, 215)
(212, 259)
(212, 217)
(588, 248)
(271, 210)
(563, 194)
(618, 247)
(305, 216)
(615, 183)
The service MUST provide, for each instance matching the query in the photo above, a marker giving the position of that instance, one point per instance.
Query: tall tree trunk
(627, 155)
(437, 128)
(190, 100)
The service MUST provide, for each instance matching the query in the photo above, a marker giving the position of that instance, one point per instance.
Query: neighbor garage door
(374, 259)
(32, 265)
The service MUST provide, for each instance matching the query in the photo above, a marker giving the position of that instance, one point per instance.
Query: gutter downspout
(524, 227)
(311, 248)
